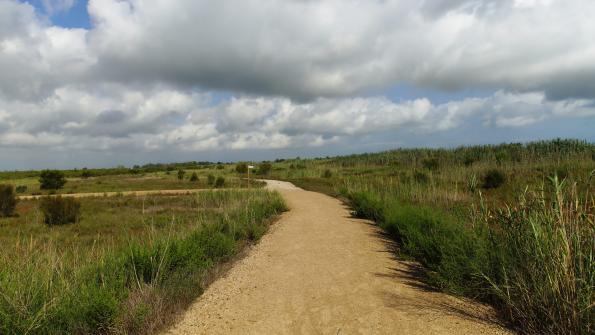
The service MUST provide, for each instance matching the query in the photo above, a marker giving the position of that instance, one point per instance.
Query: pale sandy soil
(319, 271)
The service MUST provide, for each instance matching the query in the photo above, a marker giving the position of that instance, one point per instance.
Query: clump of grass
(545, 251)
(219, 182)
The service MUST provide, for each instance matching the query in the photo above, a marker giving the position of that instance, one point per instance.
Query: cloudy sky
(108, 82)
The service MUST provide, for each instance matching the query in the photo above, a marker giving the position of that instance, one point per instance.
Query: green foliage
(85, 173)
(8, 200)
(264, 168)
(181, 174)
(211, 179)
(241, 168)
(420, 177)
(431, 164)
(327, 174)
(493, 178)
(220, 182)
(51, 180)
(21, 189)
(220, 167)
(60, 211)
(194, 177)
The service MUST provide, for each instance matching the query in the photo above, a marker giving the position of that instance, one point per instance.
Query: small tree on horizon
(51, 180)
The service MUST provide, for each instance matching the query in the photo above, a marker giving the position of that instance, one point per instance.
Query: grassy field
(128, 266)
(105, 181)
(526, 245)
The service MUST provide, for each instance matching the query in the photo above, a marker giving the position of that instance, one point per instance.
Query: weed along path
(124, 193)
(319, 271)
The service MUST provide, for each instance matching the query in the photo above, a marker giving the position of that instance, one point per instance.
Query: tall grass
(134, 288)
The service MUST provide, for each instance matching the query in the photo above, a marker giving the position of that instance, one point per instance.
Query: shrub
(242, 168)
(220, 182)
(420, 177)
(60, 211)
(431, 164)
(493, 179)
(21, 189)
(220, 167)
(8, 200)
(264, 168)
(194, 177)
(181, 174)
(86, 173)
(211, 179)
(327, 173)
(51, 180)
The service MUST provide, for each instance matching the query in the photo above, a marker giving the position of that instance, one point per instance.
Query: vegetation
(60, 211)
(264, 168)
(51, 180)
(242, 168)
(181, 174)
(128, 265)
(8, 200)
(220, 182)
(211, 179)
(194, 177)
(524, 242)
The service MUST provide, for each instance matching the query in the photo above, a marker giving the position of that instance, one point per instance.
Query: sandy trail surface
(320, 271)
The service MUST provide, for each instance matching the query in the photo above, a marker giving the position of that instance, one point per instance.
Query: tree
(51, 180)
(194, 177)
(241, 168)
(181, 174)
(8, 200)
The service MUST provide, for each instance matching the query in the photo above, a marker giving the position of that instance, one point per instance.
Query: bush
(220, 167)
(431, 164)
(21, 189)
(181, 174)
(86, 173)
(8, 200)
(51, 180)
(194, 177)
(420, 177)
(327, 174)
(211, 179)
(264, 168)
(493, 179)
(220, 182)
(242, 168)
(60, 211)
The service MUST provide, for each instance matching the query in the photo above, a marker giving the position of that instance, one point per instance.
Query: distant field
(130, 263)
(126, 182)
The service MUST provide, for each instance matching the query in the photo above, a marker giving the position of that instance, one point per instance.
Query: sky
(101, 83)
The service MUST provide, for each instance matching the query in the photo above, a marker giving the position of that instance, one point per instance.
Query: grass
(129, 182)
(524, 245)
(128, 265)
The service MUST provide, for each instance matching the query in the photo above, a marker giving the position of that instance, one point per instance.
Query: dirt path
(113, 194)
(319, 271)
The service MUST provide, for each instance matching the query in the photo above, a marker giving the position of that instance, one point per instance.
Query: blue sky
(227, 80)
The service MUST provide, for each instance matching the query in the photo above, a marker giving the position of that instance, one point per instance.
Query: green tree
(194, 177)
(51, 180)
(181, 174)
(264, 168)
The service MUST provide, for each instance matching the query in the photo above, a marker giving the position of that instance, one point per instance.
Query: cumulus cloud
(298, 73)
